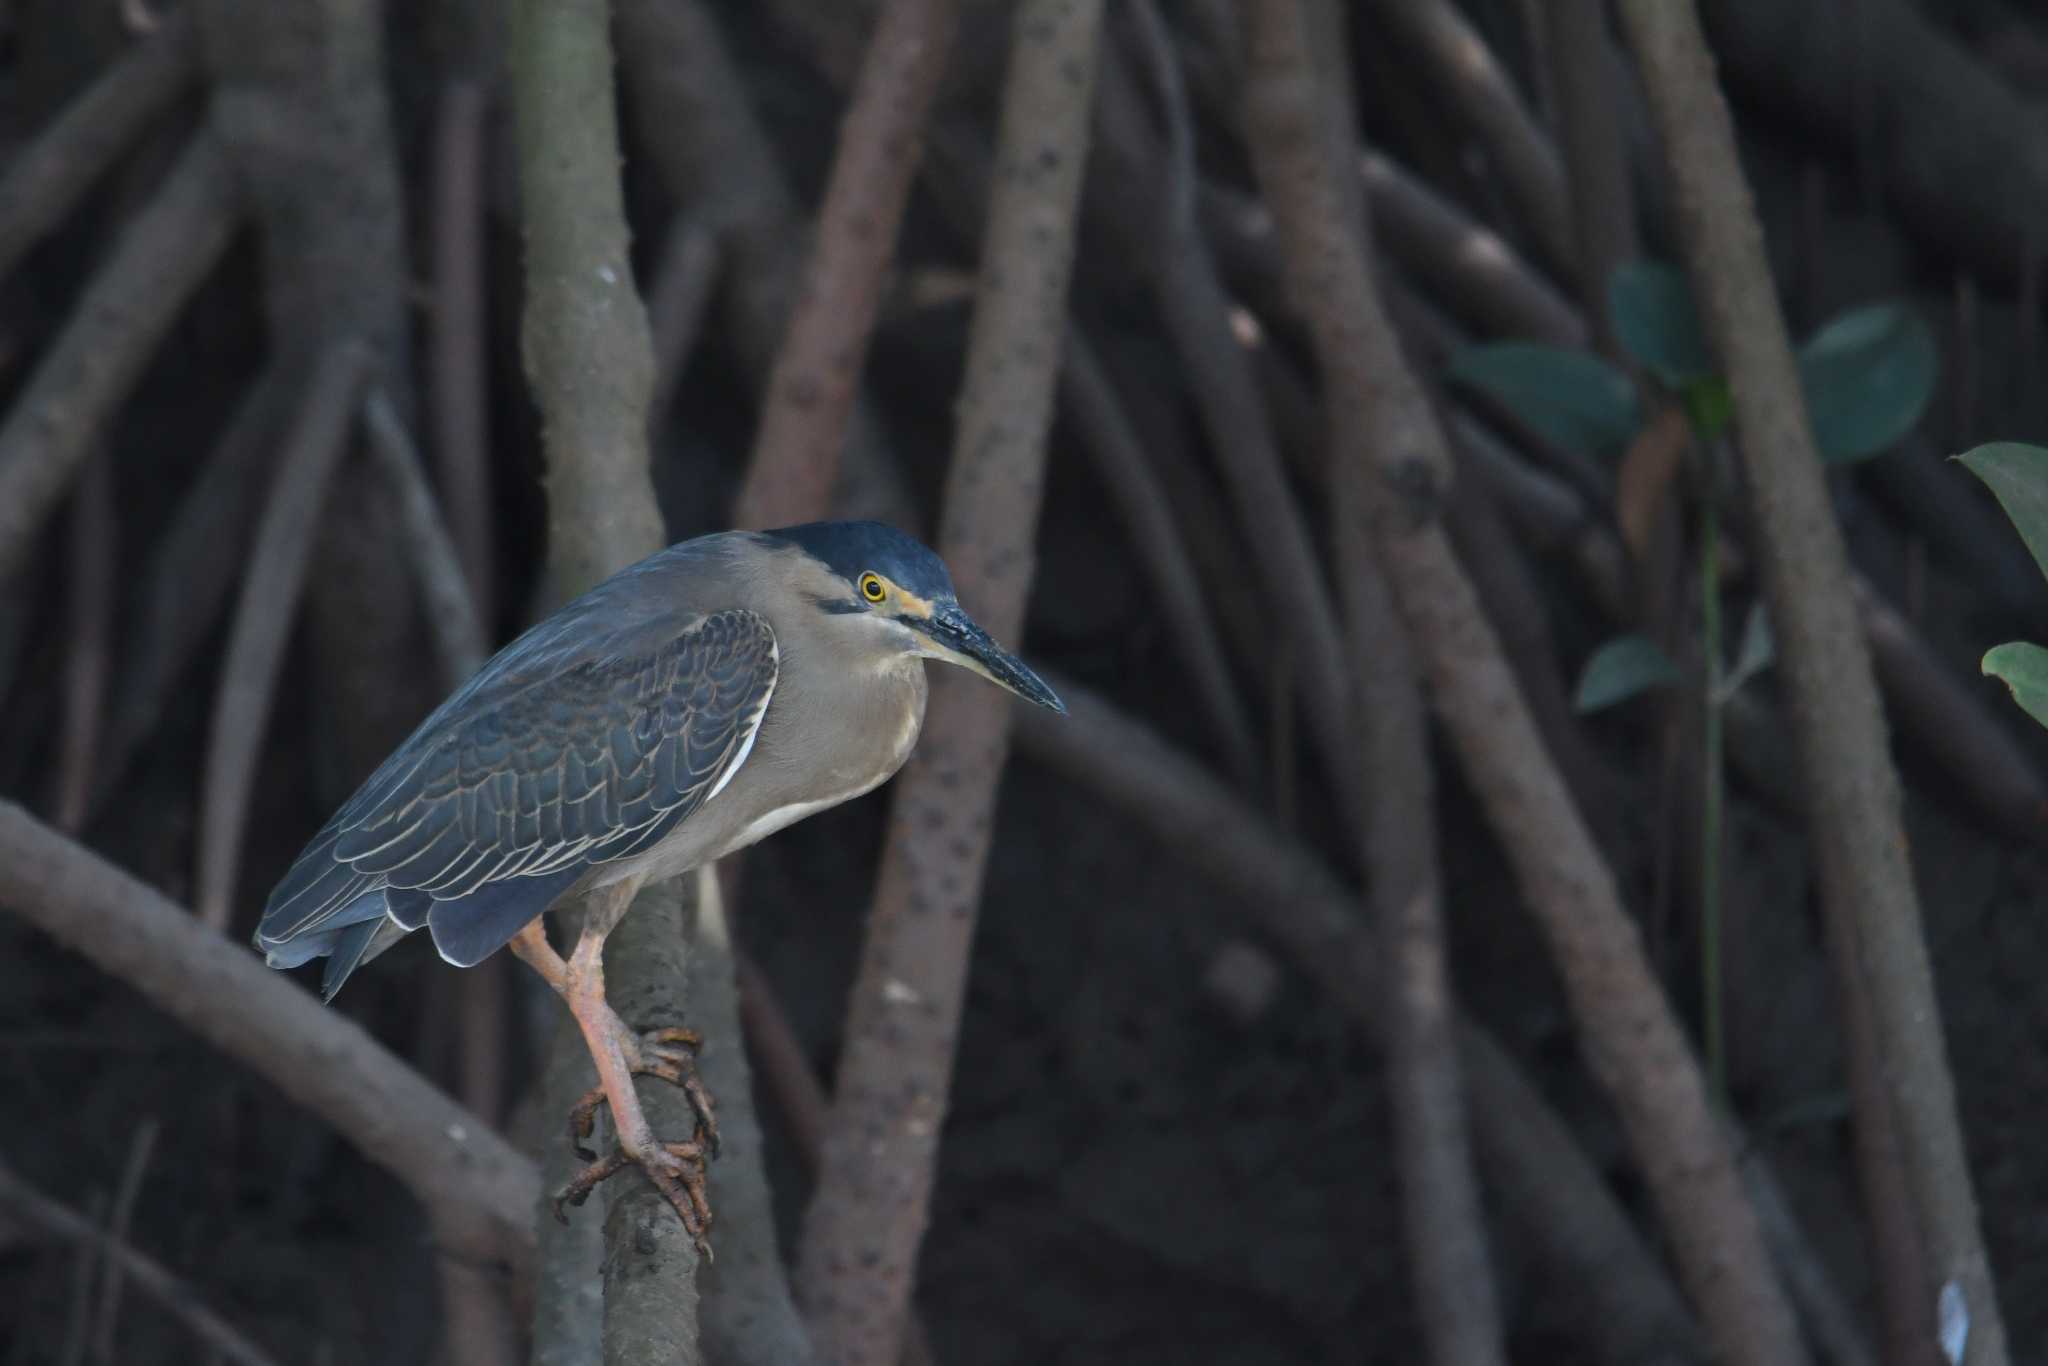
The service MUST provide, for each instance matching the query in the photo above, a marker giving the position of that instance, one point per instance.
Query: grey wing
(592, 764)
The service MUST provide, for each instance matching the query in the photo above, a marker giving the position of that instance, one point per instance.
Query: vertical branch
(263, 621)
(1632, 1040)
(583, 332)
(1581, 58)
(589, 358)
(750, 1317)
(1441, 1216)
(811, 390)
(1867, 892)
(159, 263)
(460, 387)
(90, 592)
(861, 1234)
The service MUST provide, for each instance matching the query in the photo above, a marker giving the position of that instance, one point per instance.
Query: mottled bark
(1868, 897)
(859, 1254)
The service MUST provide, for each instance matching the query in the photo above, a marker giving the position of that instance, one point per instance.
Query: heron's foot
(671, 1055)
(677, 1171)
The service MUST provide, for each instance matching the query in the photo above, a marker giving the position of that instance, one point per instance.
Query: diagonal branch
(1626, 1025)
(480, 1189)
(161, 260)
(1867, 891)
(50, 175)
(858, 1258)
(222, 1339)
(263, 621)
(811, 391)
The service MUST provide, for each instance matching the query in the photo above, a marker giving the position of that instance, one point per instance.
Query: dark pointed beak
(961, 642)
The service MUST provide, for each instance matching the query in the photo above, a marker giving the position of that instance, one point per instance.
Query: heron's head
(895, 591)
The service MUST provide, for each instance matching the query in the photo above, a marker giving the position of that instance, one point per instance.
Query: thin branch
(481, 1190)
(177, 1298)
(263, 622)
(1464, 69)
(95, 545)
(1155, 220)
(1482, 274)
(811, 391)
(160, 261)
(1582, 63)
(475, 1330)
(750, 1317)
(958, 173)
(677, 299)
(48, 177)
(192, 569)
(460, 389)
(452, 618)
(696, 116)
(1441, 1217)
(1868, 899)
(1125, 469)
(1626, 1025)
(858, 1256)
(108, 1315)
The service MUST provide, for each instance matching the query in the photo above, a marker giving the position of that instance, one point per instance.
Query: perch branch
(589, 355)
(48, 177)
(177, 1298)
(861, 1233)
(159, 262)
(811, 389)
(1867, 892)
(481, 1190)
(1626, 1025)
(263, 622)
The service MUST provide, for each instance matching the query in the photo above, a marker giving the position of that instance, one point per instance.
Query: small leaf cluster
(1868, 375)
(2017, 474)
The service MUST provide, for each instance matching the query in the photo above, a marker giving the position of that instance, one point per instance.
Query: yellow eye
(872, 588)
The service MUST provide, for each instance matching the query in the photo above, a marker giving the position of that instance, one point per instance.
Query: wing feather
(595, 762)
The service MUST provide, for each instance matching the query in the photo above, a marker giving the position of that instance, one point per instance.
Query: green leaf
(1756, 654)
(1622, 668)
(1868, 375)
(1654, 320)
(1709, 407)
(2018, 474)
(2024, 668)
(1572, 398)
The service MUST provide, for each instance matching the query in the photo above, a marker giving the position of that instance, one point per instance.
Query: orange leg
(676, 1169)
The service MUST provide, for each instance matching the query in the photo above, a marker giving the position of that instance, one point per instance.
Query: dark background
(1139, 1166)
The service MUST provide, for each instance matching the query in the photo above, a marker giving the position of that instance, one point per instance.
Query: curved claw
(677, 1171)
